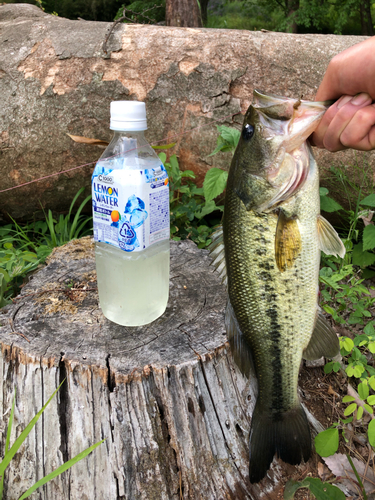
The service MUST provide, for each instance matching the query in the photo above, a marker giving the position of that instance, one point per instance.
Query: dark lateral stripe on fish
(277, 386)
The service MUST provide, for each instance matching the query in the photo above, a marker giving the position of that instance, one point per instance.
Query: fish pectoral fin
(329, 240)
(240, 349)
(217, 252)
(288, 243)
(323, 342)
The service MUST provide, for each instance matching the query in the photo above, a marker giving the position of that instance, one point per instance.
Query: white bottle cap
(128, 115)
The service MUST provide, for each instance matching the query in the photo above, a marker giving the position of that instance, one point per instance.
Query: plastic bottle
(130, 193)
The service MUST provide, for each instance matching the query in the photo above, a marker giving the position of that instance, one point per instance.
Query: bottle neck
(128, 144)
(129, 138)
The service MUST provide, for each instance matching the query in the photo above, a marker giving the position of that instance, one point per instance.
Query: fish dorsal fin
(329, 240)
(323, 342)
(217, 252)
(240, 349)
(288, 242)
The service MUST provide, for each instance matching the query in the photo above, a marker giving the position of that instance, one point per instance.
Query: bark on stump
(167, 397)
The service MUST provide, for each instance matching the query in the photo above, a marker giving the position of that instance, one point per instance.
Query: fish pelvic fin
(329, 240)
(288, 243)
(287, 435)
(323, 342)
(240, 349)
(217, 253)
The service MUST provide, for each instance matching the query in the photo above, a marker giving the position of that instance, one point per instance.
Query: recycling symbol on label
(127, 233)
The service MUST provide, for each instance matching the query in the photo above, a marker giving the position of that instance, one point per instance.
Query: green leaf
(291, 487)
(371, 382)
(327, 442)
(369, 237)
(208, 208)
(348, 344)
(350, 409)
(371, 400)
(214, 183)
(60, 470)
(324, 491)
(323, 191)
(329, 205)
(371, 432)
(347, 399)
(21, 438)
(29, 256)
(328, 367)
(363, 390)
(362, 258)
(358, 370)
(359, 413)
(7, 443)
(369, 201)
(188, 173)
(368, 408)
(371, 347)
(163, 157)
(230, 135)
(165, 146)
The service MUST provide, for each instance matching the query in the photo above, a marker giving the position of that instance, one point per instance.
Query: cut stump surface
(173, 409)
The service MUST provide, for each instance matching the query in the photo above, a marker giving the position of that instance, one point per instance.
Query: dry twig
(135, 21)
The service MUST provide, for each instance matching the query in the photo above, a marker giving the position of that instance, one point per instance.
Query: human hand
(350, 122)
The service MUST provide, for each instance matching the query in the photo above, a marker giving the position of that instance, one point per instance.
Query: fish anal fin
(287, 435)
(240, 349)
(323, 342)
(288, 243)
(329, 240)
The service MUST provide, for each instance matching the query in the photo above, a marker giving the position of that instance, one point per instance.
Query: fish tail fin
(287, 436)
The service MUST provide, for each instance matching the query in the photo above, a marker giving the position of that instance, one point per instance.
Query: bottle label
(130, 207)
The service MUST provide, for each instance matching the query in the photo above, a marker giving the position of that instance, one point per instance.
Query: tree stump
(167, 398)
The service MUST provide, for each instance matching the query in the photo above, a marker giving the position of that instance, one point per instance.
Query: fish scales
(276, 311)
(270, 241)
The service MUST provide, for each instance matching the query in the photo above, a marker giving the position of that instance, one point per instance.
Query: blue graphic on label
(130, 206)
(127, 238)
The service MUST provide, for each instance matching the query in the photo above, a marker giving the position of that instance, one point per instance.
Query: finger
(346, 110)
(340, 116)
(317, 138)
(360, 131)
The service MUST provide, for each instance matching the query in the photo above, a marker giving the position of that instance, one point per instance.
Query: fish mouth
(299, 118)
(294, 120)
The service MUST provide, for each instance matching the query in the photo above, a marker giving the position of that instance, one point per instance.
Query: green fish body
(270, 250)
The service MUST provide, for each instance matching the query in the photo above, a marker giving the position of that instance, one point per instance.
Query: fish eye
(247, 132)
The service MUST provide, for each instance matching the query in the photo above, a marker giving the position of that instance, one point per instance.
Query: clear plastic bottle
(130, 194)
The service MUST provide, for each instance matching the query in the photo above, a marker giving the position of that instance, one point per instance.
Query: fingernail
(344, 100)
(361, 99)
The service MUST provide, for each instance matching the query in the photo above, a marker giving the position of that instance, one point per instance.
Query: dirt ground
(322, 394)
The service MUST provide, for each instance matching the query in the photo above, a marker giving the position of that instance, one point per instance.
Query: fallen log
(58, 77)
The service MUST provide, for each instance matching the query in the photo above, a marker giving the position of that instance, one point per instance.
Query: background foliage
(347, 17)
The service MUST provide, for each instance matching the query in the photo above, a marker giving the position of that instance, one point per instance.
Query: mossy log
(173, 409)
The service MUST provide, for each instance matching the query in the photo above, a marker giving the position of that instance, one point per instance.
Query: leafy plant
(65, 229)
(227, 140)
(359, 228)
(320, 489)
(343, 294)
(23, 248)
(10, 451)
(193, 208)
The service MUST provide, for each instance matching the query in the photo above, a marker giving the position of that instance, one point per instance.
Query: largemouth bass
(269, 252)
